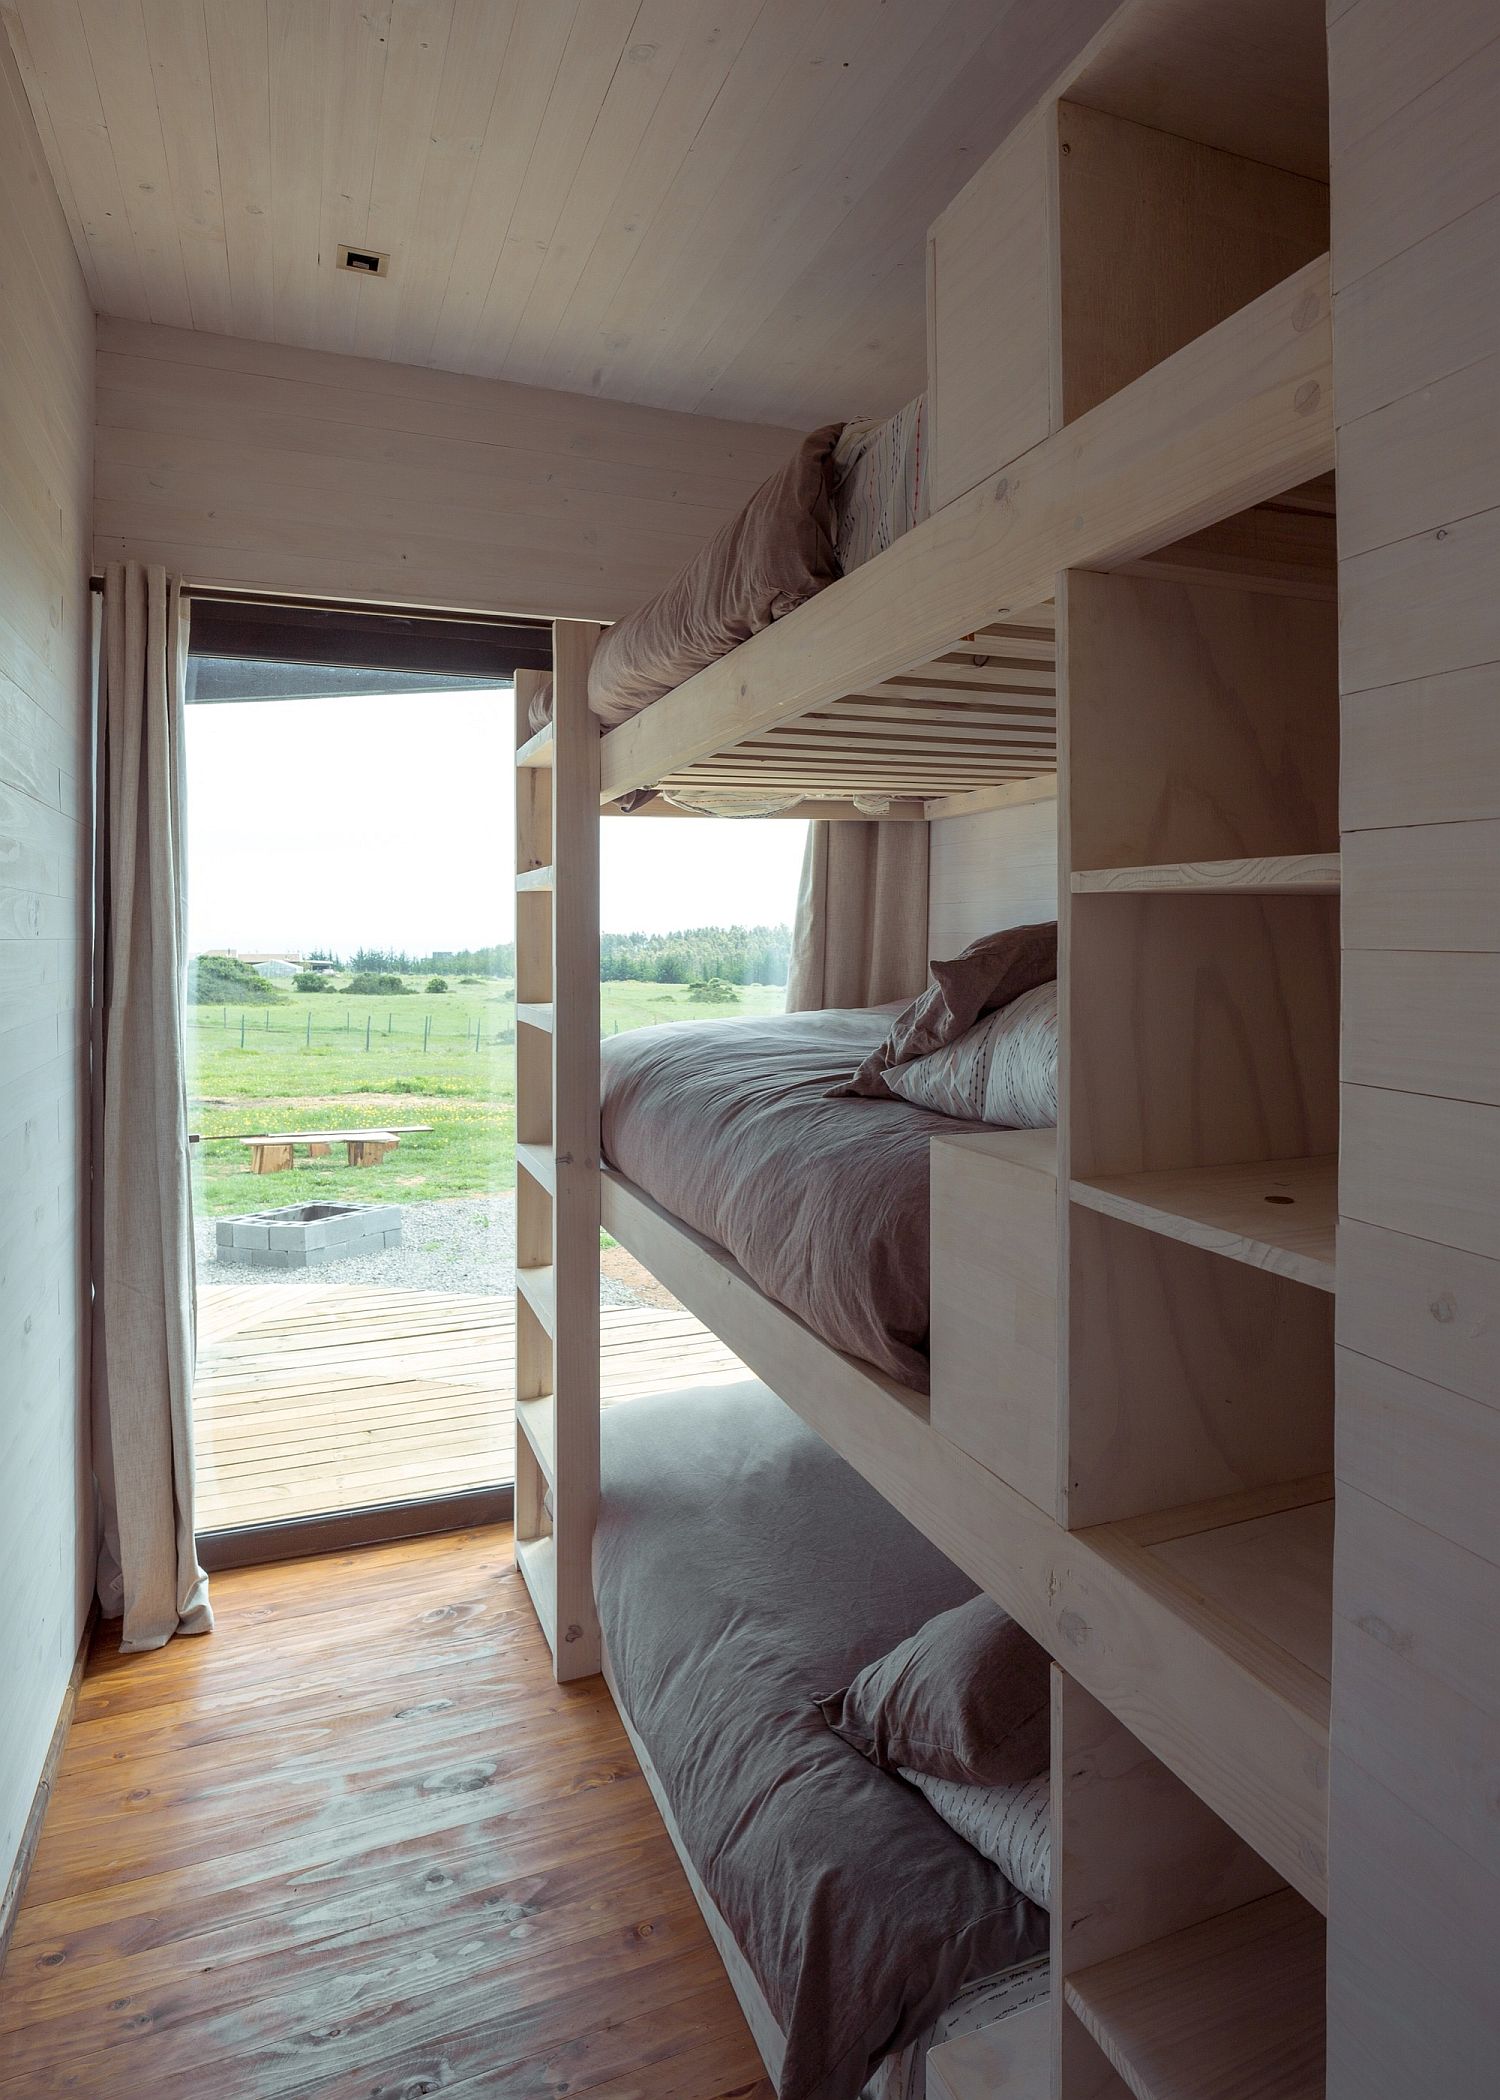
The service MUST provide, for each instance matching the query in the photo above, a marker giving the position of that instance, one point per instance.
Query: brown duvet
(822, 1202)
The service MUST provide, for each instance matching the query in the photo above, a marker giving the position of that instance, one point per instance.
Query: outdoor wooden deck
(322, 1399)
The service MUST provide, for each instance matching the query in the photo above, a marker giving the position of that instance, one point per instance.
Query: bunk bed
(1127, 1438)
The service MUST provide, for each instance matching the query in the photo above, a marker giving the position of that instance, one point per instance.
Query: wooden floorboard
(357, 1845)
(326, 1398)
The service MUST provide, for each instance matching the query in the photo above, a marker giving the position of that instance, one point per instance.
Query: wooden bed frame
(1127, 596)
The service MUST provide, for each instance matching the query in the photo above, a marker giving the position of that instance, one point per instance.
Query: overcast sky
(387, 823)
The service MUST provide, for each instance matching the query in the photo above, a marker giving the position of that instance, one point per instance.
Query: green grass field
(304, 1065)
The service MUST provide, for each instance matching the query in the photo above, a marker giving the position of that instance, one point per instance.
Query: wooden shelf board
(537, 1561)
(1290, 874)
(1276, 1214)
(537, 1420)
(1011, 2060)
(537, 750)
(1272, 1573)
(1227, 2009)
(535, 1013)
(538, 1162)
(530, 880)
(539, 1288)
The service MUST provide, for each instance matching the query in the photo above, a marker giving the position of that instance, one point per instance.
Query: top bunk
(1129, 363)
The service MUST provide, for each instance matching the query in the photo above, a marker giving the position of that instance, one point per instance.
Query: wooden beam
(1235, 417)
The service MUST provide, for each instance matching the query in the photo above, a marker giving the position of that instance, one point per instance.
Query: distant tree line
(496, 961)
(733, 954)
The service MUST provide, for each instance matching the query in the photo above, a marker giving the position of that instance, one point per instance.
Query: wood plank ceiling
(714, 205)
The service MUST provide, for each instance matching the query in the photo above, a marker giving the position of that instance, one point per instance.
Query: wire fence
(265, 1029)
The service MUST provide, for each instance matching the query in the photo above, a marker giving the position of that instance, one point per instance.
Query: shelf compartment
(1277, 874)
(537, 1561)
(539, 1288)
(535, 1013)
(538, 1162)
(537, 750)
(1261, 1562)
(1279, 1215)
(533, 881)
(538, 1422)
(1226, 2009)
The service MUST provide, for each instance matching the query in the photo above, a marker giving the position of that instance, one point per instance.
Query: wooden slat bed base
(1239, 1720)
(1232, 421)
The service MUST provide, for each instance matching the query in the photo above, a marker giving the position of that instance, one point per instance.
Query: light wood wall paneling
(1415, 1864)
(259, 466)
(46, 422)
(995, 868)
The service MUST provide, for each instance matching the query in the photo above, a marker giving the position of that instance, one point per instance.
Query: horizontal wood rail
(1237, 416)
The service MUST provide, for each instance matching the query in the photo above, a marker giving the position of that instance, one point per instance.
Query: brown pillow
(990, 973)
(965, 1698)
(759, 567)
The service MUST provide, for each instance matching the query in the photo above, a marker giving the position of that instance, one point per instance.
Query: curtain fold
(145, 1301)
(860, 936)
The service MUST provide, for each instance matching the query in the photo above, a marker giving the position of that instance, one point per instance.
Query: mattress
(822, 1202)
(741, 1569)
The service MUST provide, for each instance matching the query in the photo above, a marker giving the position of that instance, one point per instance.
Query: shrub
(437, 984)
(311, 981)
(223, 980)
(372, 984)
(714, 991)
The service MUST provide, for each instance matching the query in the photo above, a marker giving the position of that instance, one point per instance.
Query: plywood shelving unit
(557, 1153)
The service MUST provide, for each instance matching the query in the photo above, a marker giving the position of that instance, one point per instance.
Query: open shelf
(532, 880)
(539, 1288)
(537, 1161)
(537, 750)
(537, 1561)
(1011, 2060)
(1229, 2008)
(1272, 1214)
(1278, 874)
(1260, 1563)
(538, 1422)
(535, 1013)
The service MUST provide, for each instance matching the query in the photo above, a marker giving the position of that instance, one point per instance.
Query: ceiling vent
(365, 262)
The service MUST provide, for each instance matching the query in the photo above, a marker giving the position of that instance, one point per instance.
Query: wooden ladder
(557, 1152)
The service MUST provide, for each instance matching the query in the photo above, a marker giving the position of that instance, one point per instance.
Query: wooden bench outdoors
(273, 1153)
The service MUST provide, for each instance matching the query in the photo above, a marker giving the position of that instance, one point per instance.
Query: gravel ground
(468, 1244)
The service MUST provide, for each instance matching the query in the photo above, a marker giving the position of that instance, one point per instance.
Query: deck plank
(331, 1397)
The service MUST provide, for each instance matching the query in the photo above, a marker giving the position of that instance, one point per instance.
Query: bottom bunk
(743, 1573)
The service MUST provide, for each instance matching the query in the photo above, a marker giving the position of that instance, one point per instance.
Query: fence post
(309, 1028)
(387, 1023)
(426, 1031)
(367, 1031)
(242, 1027)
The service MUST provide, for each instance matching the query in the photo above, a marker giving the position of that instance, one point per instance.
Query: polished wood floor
(356, 1845)
(331, 1398)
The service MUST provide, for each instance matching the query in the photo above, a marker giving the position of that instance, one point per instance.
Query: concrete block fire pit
(305, 1235)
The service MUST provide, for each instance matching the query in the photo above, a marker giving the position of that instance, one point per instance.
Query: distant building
(275, 966)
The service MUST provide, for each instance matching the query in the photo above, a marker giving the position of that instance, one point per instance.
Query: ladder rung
(538, 1420)
(537, 1561)
(537, 750)
(530, 879)
(539, 1288)
(536, 1013)
(539, 1164)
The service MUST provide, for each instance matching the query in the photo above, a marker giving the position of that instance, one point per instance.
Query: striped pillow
(1010, 1825)
(1002, 1070)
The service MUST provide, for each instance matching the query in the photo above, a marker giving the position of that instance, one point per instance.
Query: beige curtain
(861, 931)
(145, 1309)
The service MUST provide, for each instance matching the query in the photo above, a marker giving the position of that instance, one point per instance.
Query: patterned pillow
(1003, 1070)
(1010, 1825)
